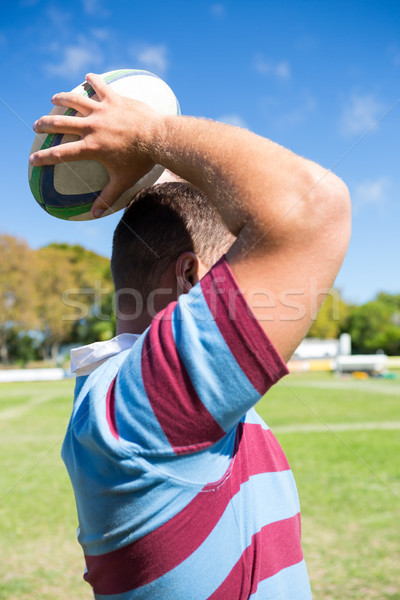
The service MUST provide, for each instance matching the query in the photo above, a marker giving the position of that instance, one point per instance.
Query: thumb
(109, 195)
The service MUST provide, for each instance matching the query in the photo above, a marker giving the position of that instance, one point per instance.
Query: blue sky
(320, 77)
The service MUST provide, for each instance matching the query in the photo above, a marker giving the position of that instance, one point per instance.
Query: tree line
(59, 294)
(63, 294)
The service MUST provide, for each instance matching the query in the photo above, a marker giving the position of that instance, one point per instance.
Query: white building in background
(317, 348)
(369, 363)
(335, 355)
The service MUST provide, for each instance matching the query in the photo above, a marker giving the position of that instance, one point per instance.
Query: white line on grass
(28, 439)
(320, 428)
(362, 386)
(16, 411)
(334, 432)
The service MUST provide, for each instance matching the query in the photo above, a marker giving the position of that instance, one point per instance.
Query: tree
(331, 317)
(22, 347)
(57, 294)
(17, 291)
(375, 325)
(87, 266)
(77, 303)
(54, 277)
(100, 324)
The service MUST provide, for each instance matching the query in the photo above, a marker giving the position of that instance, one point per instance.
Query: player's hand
(116, 131)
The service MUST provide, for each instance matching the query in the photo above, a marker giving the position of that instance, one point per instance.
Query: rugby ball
(68, 190)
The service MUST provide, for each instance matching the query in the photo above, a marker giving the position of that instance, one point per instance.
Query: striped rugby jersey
(182, 491)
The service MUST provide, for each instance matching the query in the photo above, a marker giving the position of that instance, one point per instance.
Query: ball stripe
(68, 211)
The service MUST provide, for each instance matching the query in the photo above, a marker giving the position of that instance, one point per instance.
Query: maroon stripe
(243, 334)
(283, 540)
(110, 409)
(256, 451)
(184, 419)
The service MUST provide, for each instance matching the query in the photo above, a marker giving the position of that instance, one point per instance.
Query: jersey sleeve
(202, 364)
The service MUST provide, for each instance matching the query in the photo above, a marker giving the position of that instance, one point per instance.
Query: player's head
(169, 232)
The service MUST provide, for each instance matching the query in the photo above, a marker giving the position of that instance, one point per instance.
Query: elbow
(337, 192)
(338, 207)
(332, 206)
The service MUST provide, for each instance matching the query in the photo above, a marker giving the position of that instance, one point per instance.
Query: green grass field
(342, 439)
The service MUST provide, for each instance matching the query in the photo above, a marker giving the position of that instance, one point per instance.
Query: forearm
(250, 179)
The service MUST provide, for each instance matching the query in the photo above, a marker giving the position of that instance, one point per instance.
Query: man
(182, 491)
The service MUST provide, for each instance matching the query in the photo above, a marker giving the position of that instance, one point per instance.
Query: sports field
(342, 439)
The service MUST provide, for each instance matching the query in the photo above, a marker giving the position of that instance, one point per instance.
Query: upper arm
(286, 269)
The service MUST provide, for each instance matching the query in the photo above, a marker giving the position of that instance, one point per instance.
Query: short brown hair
(162, 222)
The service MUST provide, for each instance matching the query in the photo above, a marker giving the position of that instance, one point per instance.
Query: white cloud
(153, 58)
(75, 61)
(94, 7)
(233, 119)
(301, 111)
(361, 113)
(57, 20)
(370, 194)
(282, 70)
(279, 69)
(89, 6)
(284, 117)
(218, 10)
(102, 33)
(394, 53)
(306, 44)
(28, 3)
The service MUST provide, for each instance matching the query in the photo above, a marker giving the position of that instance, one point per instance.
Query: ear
(187, 271)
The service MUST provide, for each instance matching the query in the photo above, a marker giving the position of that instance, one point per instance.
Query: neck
(137, 326)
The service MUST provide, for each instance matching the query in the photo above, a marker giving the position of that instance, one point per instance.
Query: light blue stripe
(217, 378)
(253, 418)
(291, 583)
(199, 468)
(88, 423)
(136, 421)
(264, 499)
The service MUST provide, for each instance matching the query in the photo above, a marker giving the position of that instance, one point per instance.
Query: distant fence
(394, 362)
(295, 366)
(317, 364)
(354, 363)
(15, 375)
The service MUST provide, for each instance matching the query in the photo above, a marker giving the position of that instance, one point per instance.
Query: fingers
(58, 154)
(79, 102)
(109, 195)
(60, 124)
(99, 85)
